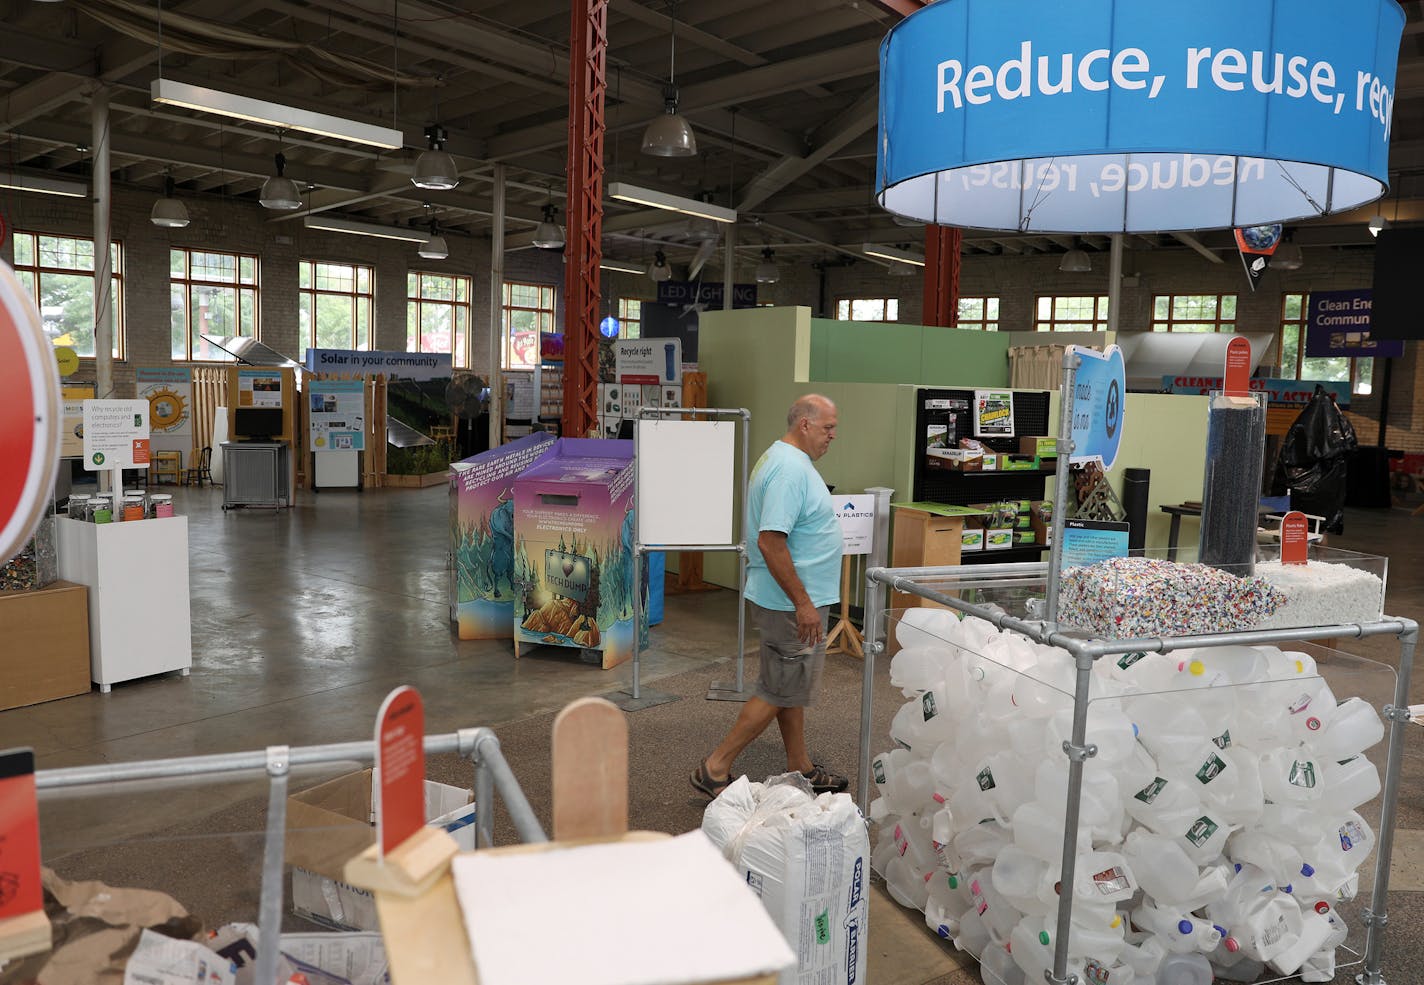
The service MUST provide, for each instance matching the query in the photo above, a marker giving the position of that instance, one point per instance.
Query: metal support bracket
(1079, 754)
(467, 738)
(1370, 978)
(1372, 919)
(1071, 978)
(1395, 713)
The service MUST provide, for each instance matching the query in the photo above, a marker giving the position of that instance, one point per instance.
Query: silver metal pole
(1114, 281)
(1376, 917)
(269, 920)
(496, 315)
(1060, 487)
(871, 619)
(746, 417)
(637, 565)
(1078, 752)
(526, 822)
(484, 788)
(103, 263)
(729, 265)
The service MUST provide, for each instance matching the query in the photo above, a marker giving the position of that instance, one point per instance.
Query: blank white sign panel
(685, 479)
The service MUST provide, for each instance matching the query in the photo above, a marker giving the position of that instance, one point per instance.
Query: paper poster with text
(336, 415)
(71, 438)
(169, 392)
(115, 434)
(993, 414)
(482, 535)
(259, 388)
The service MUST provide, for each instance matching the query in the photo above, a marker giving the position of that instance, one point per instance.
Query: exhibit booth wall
(764, 358)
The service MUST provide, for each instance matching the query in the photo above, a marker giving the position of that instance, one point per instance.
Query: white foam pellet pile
(1322, 594)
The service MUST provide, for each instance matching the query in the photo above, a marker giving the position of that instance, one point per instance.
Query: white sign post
(116, 437)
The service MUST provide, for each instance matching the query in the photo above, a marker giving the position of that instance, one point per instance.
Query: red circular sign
(30, 412)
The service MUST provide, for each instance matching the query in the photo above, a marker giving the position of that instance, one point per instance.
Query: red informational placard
(1238, 368)
(141, 451)
(1295, 538)
(400, 768)
(30, 415)
(20, 890)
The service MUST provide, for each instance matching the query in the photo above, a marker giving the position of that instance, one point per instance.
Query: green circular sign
(98, 458)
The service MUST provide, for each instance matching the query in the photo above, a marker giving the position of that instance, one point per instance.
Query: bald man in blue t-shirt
(793, 579)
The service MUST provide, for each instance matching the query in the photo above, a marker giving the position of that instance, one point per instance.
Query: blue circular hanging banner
(1120, 115)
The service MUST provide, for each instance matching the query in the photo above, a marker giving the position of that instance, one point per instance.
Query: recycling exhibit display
(1128, 768)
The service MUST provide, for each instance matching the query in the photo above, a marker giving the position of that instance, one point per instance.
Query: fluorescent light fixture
(334, 225)
(42, 185)
(173, 93)
(625, 192)
(623, 267)
(892, 253)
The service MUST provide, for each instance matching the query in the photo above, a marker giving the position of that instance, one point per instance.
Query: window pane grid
(979, 313)
(1194, 313)
(868, 309)
(437, 313)
(630, 318)
(528, 309)
(213, 294)
(59, 273)
(1072, 313)
(335, 304)
(1294, 364)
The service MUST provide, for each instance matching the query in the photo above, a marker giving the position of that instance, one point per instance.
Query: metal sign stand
(637, 697)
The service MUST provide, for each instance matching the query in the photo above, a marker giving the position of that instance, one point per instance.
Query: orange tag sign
(140, 451)
(1238, 368)
(400, 766)
(1295, 538)
(20, 890)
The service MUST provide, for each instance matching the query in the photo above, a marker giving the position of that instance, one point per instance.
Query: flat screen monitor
(261, 423)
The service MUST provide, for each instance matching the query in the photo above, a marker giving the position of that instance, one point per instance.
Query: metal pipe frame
(480, 745)
(1060, 479)
(1084, 653)
(639, 548)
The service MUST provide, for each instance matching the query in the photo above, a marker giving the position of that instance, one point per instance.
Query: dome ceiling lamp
(659, 270)
(669, 134)
(168, 212)
(279, 192)
(435, 169)
(549, 235)
(767, 272)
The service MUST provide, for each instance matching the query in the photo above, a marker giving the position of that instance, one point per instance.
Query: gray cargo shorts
(790, 669)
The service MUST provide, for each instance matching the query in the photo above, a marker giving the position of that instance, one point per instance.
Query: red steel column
(942, 246)
(588, 59)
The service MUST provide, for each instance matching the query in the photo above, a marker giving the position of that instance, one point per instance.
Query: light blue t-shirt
(788, 494)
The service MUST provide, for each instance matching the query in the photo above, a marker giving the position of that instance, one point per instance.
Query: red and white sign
(1238, 367)
(400, 768)
(30, 415)
(1295, 538)
(20, 890)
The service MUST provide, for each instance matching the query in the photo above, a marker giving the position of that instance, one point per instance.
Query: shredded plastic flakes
(1131, 597)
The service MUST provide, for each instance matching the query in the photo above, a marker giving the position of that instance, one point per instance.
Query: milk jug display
(1219, 821)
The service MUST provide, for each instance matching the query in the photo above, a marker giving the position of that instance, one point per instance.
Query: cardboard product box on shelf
(1017, 463)
(46, 651)
(971, 539)
(1036, 447)
(957, 459)
(1041, 520)
(330, 823)
(999, 539)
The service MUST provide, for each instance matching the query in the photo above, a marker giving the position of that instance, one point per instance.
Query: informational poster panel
(685, 478)
(857, 517)
(259, 388)
(71, 438)
(169, 392)
(650, 362)
(115, 434)
(1090, 541)
(337, 415)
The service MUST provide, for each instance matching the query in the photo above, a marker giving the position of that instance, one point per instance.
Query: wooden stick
(590, 771)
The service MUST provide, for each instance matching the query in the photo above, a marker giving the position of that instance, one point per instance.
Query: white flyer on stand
(857, 517)
(115, 434)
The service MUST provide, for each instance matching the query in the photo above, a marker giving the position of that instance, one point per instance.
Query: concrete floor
(304, 619)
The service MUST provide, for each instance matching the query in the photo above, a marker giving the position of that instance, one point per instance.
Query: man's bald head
(810, 407)
(811, 424)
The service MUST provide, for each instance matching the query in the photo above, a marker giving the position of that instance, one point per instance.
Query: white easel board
(686, 474)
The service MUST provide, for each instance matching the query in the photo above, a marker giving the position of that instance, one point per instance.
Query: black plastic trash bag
(1312, 463)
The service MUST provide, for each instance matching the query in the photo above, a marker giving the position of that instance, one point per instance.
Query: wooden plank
(590, 771)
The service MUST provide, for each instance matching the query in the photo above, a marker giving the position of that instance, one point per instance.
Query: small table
(168, 463)
(1190, 509)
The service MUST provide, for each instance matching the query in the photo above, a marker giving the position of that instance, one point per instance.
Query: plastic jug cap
(1322, 907)
(943, 931)
(1232, 945)
(1287, 888)
(953, 881)
(1043, 937)
(1196, 668)
(1300, 666)
(929, 875)
(939, 798)
(1184, 926)
(1307, 870)
(1238, 866)
(1135, 732)
(1116, 922)
(974, 887)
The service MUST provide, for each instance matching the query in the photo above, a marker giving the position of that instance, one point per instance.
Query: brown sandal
(705, 783)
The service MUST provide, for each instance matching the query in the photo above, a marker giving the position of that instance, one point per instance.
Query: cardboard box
(999, 539)
(1024, 537)
(971, 539)
(330, 823)
(1017, 463)
(1042, 529)
(46, 651)
(1036, 447)
(992, 461)
(958, 459)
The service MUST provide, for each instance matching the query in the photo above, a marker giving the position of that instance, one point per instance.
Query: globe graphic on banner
(1262, 237)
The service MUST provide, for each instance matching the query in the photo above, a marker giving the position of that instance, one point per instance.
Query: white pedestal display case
(137, 575)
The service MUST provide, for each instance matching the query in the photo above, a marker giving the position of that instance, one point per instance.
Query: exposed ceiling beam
(1187, 239)
(843, 128)
(861, 58)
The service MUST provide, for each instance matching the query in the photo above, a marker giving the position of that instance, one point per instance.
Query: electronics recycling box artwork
(573, 550)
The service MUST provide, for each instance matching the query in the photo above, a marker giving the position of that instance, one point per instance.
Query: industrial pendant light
(659, 271)
(669, 135)
(435, 248)
(1075, 262)
(549, 235)
(280, 192)
(435, 168)
(767, 272)
(168, 212)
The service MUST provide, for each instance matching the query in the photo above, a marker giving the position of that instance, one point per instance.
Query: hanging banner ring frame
(685, 466)
(1106, 116)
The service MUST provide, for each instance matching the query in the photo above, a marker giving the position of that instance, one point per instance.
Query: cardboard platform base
(410, 870)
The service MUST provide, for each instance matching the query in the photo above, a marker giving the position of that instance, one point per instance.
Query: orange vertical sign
(20, 891)
(400, 768)
(1295, 538)
(1238, 368)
